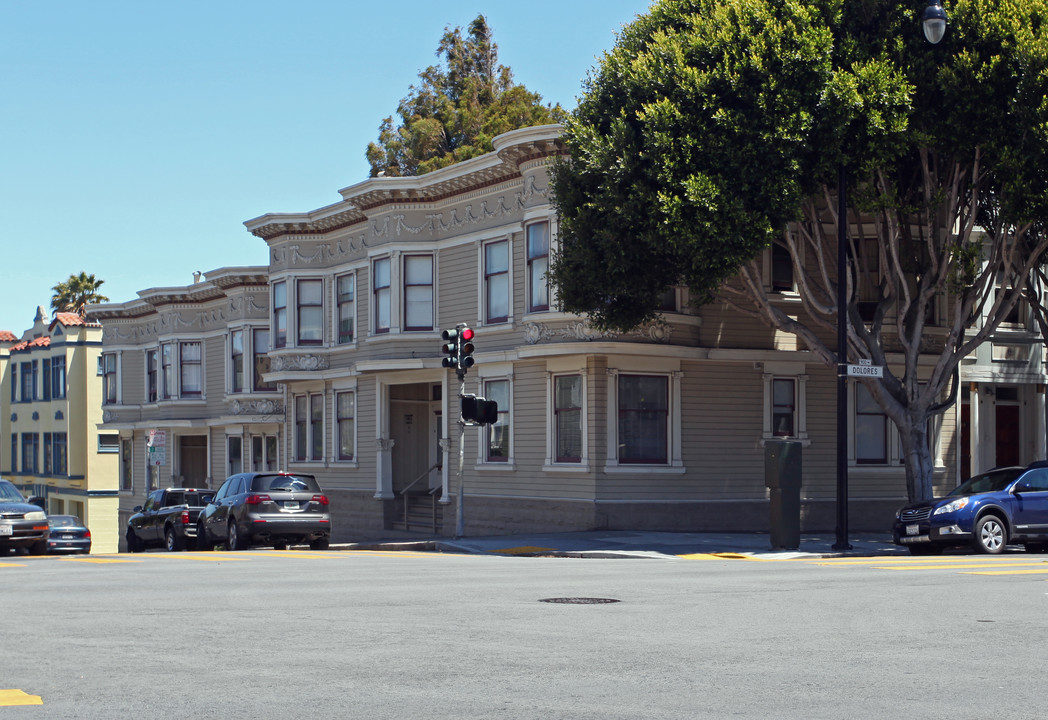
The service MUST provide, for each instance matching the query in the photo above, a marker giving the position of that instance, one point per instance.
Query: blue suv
(988, 511)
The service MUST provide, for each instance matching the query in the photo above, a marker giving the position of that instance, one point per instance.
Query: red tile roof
(44, 341)
(68, 318)
(7, 336)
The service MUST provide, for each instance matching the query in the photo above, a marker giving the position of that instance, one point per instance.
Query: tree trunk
(917, 456)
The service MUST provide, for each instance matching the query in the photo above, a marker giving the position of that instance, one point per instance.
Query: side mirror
(136, 508)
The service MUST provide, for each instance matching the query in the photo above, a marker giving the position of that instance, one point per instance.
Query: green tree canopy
(76, 293)
(457, 108)
(717, 128)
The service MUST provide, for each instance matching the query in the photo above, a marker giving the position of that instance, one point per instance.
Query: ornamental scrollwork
(585, 331)
(257, 407)
(299, 362)
(536, 332)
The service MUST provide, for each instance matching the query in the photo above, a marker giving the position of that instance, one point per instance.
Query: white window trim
(343, 388)
(294, 308)
(482, 294)
(800, 420)
(496, 371)
(550, 463)
(675, 464)
(336, 309)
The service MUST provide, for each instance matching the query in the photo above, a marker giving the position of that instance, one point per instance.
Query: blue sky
(137, 137)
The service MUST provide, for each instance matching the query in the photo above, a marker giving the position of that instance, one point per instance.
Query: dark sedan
(22, 525)
(68, 535)
(275, 509)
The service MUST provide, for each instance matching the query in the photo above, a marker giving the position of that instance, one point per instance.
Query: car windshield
(63, 521)
(9, 493)
(993, 481)
(284, 483)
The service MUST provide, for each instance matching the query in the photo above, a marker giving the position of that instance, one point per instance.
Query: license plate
(6, 530)
(68, 537)
(913, 529)
(291, 504)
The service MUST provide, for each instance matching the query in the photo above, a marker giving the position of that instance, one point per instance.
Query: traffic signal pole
(460, 500)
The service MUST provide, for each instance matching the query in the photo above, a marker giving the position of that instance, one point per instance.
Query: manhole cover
(580, 601)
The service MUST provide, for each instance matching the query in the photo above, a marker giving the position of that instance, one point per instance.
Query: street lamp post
(933, 21)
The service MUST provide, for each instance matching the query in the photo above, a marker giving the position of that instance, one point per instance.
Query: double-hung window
(871, 429)
(381, 295)
(643, 419)
(260, 366)
(418, 292)
(345, 411)
(191, 371)
(14, 382)
(47, 453)
(167, 368)
(280, 314)
(496, 282)
(109, 379)
(29, 381)
(567, 418)
(59, 454)
(152, 376)
(309, 427)
(784, 407)
(58, 377)
(538, 264)
(236, 363)
(30, 452)
(346, 291)
(46, 385)
(498, 447)
(310, 303)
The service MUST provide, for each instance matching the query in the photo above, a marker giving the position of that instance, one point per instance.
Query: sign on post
(865, 368)
(157, 446)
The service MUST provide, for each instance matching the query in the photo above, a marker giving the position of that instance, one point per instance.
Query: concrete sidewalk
(638, 544)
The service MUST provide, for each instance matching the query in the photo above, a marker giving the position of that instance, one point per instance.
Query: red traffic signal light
(466, 347)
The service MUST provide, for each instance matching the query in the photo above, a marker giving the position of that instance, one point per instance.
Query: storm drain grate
(580, 601)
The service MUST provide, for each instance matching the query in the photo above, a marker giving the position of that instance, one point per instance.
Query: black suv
(22, 525)
(277, 509)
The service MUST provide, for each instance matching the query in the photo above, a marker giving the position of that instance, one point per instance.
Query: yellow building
(53, 384)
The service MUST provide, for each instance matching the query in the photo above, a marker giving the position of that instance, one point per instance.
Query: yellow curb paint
(523, 550)
(12, 564)
(1008, 572)
(965, 567)
(17, 697)
(98, 561)
(720, 556)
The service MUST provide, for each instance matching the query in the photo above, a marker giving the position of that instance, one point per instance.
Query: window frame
(345, 426)
(381, 296)
(260, 361)
(110, 378)
(279, 328)
(237, 371)
(345, 308)
(624, 415)
(533, 265)
(500, 275)
(185, 365)
(426, 289)
(502, 425)
(309, 312)
(556, 424)
(857, 415)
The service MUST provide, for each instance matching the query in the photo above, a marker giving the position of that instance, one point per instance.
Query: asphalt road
(375, 635)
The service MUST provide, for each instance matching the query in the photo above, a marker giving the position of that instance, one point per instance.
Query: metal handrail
(404, 494)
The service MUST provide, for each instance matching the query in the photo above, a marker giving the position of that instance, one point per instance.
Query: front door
(1008, 436)
(192, 460)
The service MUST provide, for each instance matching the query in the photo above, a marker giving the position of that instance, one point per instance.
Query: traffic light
(450, 348)
(466, 348)
(478, 410)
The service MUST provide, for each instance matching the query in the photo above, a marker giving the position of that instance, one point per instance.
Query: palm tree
(76, 293)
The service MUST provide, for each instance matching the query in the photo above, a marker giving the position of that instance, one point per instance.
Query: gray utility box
(782, 475)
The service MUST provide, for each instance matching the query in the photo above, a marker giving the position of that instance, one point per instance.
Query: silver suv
(277, 509)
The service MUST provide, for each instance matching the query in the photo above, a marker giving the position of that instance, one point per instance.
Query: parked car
(988, 511)
(68, 534)
(22, 525)
(275, 509)
(169, 518)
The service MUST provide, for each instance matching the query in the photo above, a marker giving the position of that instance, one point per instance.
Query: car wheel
(235, 541)
(172, 541)
(926, 549)
(319, 544)
(991, 536)
(38, 548)
(281, 545)
(134, 543)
